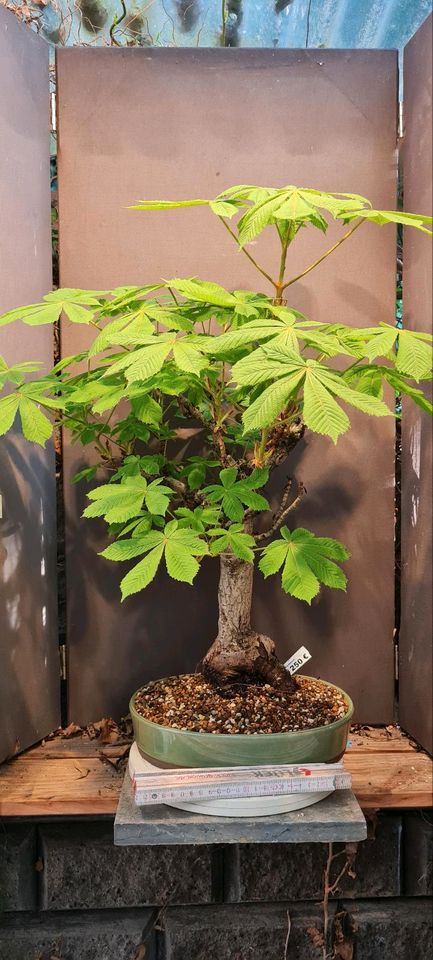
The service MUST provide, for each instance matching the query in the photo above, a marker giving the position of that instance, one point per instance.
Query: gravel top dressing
(188, 702)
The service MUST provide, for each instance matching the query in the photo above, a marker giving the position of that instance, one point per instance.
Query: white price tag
(299, 658)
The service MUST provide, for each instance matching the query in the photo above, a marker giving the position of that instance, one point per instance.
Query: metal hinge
(62, 654)
(395, 662)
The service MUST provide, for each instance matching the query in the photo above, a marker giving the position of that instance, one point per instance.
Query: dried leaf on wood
(72, 730)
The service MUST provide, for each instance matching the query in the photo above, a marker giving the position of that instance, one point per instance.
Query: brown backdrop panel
(171, 123)
(415, 694)
(29, 653)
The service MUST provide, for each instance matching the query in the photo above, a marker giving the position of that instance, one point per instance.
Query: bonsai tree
(252, 375)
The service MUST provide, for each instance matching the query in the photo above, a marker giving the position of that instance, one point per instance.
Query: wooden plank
(310, 117)
(415, 647)
(386, 780)
(58, 787)
(29, 651)
(379, 740)
(38, 785)
(60, 749)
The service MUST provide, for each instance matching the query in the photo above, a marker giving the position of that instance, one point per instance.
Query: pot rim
(335, 725)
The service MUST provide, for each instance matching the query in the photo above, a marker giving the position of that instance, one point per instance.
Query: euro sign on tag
(299, 658)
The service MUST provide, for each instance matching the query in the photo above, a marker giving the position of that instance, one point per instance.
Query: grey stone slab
(392, 931)
(77, 936)
(18, 876)
(338, 817)
(418, 853)
(280, 872)
(83, 870)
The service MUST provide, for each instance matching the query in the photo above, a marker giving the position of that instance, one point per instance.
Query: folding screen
(183, 123)
(29, 652)
(415, 686)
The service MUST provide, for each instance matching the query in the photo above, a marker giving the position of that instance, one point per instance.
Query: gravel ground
(188, 702)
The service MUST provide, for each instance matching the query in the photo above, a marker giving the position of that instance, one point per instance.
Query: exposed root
(248, 659)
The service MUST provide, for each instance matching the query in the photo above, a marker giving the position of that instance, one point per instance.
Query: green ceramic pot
(186, 748)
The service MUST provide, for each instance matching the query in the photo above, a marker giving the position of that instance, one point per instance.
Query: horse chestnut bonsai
(252, 375)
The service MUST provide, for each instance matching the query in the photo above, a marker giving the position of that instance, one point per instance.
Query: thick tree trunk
(239, 653)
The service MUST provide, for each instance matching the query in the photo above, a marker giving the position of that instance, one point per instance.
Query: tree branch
(250, 258)
(284, 509)
(324, 256)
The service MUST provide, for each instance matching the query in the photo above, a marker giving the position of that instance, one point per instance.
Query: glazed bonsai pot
(186, 748)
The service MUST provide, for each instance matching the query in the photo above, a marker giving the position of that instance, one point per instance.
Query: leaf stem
(250, 258)
(325, 255)
(279, 286)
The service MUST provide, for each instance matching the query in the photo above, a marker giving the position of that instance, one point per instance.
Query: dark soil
(189, 702)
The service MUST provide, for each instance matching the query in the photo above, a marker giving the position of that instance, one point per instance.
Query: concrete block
(83, 870)
(391, 931)
(295, 871)
(94, 936)
(18, 875)
(418, 854)
(337, 817)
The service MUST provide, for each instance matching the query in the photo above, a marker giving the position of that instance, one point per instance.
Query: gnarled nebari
(248, 375)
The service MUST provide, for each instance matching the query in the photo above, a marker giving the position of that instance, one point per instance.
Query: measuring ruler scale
(292, 786)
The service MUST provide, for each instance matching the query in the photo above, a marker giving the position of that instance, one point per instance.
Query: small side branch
(284, 509)
(190, 410)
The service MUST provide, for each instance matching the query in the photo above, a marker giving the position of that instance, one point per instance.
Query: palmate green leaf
(256, 219)
(167, 204)
(147, 410)
(267, 407)
(233, 540)
(35, 425)
(306, 562)
(234, 495)
(148, 361)
(358, 399)
(224, 208)
(142, 574)
(35, 314)
(8, 410)
(266, 363)
(151, 463)
(111, 397)
(187, 357)
(180, 563)
(321, 413)
(72, 301)
(414, 354)
(198, 519)
(365, 379)
(253, 332)
(87, 391)
(228, 477)
(117, 502)
(381, 217)
(400, 385)
(380, 342)
(180, 547)
(86, 474)
(16, 373)
(203, 291)
(157, 497)
(143, 363)
(112, 331)
(134, 547)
